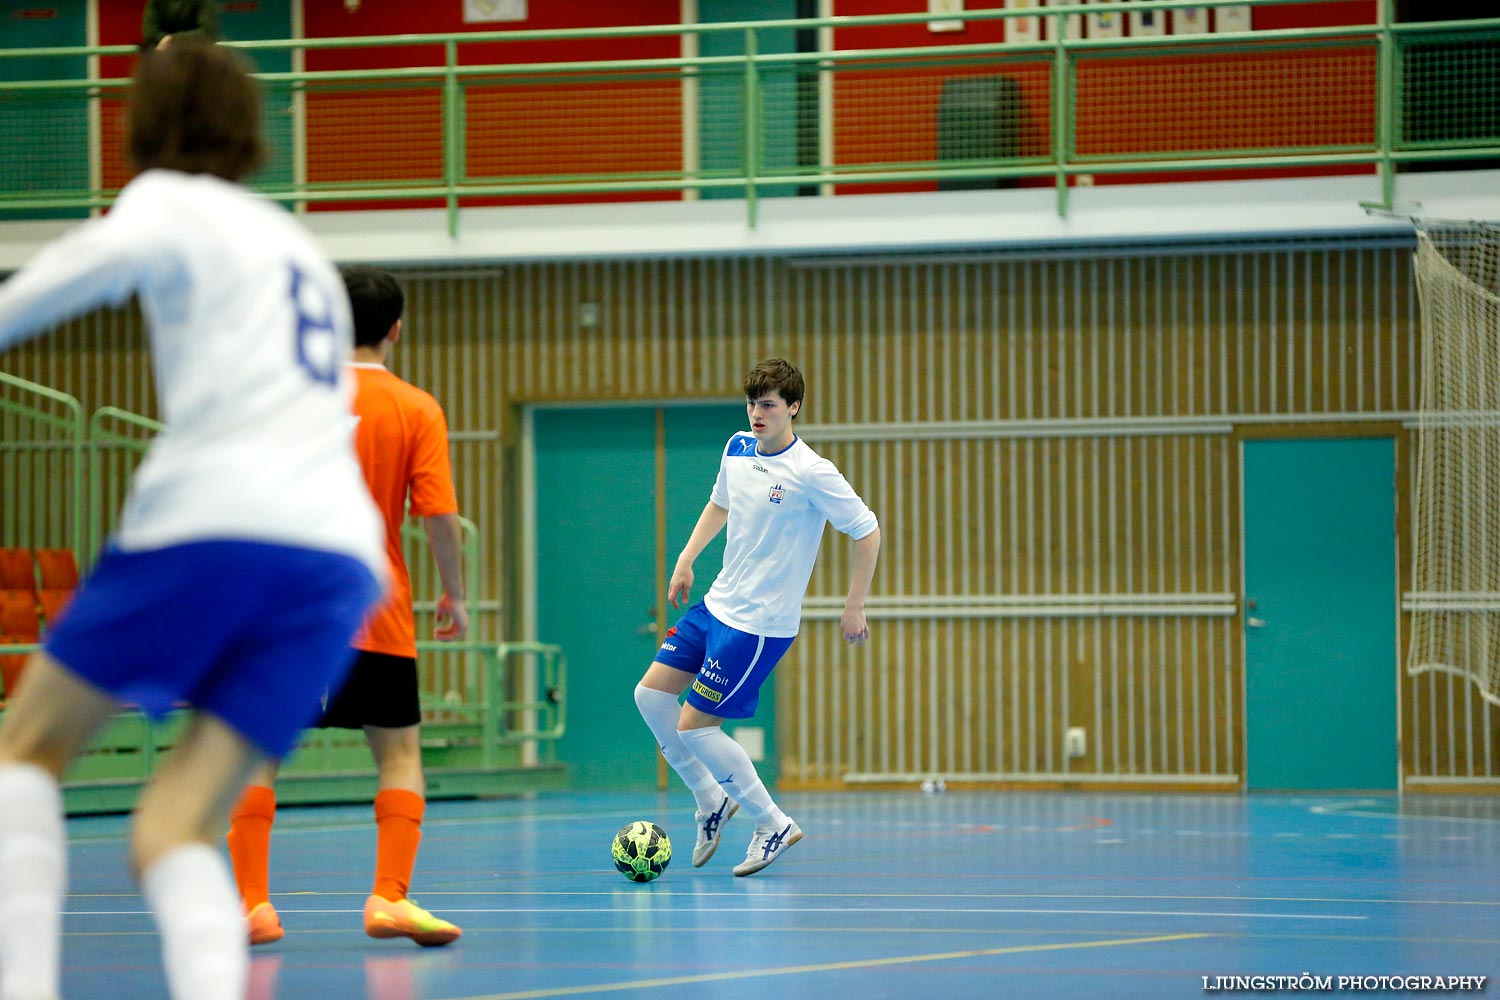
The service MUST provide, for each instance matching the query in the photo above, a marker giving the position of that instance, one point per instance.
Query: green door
(787, 98)
(268, 20)
(1320, 614)
(46, 147)
(596, 569)
(596, 557)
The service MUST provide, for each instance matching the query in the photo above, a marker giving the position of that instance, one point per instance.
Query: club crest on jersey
(778, 493)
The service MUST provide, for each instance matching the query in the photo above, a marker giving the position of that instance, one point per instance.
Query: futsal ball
(641, 851)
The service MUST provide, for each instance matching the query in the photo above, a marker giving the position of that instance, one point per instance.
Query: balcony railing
(733, 110)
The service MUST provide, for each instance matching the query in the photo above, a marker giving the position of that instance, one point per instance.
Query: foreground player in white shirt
(248, 551)
(775, 494)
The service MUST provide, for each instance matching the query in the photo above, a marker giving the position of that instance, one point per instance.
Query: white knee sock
(660, 710)
(730, 766)
(204, 941)
(33, 878)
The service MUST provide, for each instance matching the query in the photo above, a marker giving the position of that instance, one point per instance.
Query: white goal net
(1455, 599)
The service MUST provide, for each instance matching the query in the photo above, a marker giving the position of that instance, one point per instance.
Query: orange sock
(250, 844)
(398, 820)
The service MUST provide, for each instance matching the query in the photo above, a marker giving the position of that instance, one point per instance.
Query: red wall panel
(1315, 15)
(542, 128)
(331, 19)
(890, 36)
(119, 24)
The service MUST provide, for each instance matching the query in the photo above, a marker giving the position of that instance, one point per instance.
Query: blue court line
(793, 970)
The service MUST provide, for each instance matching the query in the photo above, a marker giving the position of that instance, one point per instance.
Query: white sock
(204, 941)
(730, 766)
(660, 710)
(33, 878)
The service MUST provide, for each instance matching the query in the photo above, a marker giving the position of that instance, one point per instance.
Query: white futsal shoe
(711, 830)
(768, 845)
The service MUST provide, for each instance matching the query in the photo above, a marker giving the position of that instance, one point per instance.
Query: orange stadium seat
(59, 575)
(17, 569)
(59, 570)
(18, 624)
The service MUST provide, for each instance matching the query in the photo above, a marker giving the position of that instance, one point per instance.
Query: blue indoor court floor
(890, 894)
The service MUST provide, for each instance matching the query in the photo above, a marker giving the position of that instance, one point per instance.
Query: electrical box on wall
(752, 739)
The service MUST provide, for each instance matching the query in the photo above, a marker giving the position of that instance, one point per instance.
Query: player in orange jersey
(402, 443)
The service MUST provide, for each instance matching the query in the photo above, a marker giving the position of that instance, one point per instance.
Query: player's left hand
(856, 629)
(452, 619)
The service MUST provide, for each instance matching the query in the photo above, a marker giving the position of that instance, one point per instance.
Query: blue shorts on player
(731, 665)
(251, 632)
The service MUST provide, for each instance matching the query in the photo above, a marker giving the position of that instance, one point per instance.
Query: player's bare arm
(445, 537)
(866, 550)
(710, 523)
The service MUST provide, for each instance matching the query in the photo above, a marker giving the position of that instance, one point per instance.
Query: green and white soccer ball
(641, 851)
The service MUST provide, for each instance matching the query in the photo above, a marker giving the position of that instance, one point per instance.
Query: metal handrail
(72, 423)
(100, 438)
(718, 27)
(1060, 162)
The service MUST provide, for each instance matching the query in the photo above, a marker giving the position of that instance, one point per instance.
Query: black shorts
(381, 690)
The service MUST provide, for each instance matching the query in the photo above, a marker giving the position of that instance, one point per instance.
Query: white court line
(885, 911)
(790, 970)
(1355, 809)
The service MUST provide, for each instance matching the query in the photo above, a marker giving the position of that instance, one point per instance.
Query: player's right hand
(452, 620)
(681, 584)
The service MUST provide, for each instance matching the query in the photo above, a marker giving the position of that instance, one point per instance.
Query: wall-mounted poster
(1235, 17)
(1022, 30)
(1190, 21)
(945, 7)
(1148, 22)
(1111, 25)
(484, 11)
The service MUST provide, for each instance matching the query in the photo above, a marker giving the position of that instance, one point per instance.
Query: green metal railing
(473, 729)
(28, 409)
(118, 439)
(1405, 104)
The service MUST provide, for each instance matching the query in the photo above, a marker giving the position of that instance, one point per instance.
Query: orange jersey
(402, 443)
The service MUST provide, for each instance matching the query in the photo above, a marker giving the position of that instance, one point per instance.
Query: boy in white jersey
(248, 551)
(774, 494)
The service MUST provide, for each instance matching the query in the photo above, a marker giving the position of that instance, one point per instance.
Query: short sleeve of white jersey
(720, 493)
(831, 493)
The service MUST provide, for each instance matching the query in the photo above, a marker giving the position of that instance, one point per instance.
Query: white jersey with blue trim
(250, 328)
(777, 507)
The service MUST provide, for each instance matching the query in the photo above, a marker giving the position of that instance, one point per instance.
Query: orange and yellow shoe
(403, 918)
(265, 924)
